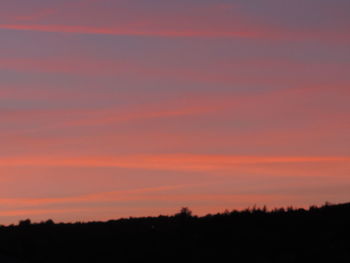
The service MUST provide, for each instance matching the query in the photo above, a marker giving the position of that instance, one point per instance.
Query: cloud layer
(130, 108)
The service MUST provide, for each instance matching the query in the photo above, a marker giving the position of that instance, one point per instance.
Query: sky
(118, 108)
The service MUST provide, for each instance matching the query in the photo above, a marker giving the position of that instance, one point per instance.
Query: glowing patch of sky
(176, 89)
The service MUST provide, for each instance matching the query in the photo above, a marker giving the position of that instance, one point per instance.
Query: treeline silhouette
(318, 234)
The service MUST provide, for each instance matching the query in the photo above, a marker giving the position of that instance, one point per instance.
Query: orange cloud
(127, 197)
(122, 195)
(25, 213)
(181, 162)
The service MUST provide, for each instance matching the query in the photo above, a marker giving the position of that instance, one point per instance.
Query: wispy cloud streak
(166, 162)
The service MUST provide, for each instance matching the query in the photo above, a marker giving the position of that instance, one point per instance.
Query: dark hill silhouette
(319, 234)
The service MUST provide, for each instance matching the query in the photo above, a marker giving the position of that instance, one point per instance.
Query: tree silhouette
(319, 234)
(184, 212)
(24, 223)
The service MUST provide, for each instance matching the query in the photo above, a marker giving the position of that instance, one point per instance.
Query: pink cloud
(127, 31)
(175, 162)
(254, 33)
(213, 20)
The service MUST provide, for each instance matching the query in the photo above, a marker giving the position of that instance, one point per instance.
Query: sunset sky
(118, 108)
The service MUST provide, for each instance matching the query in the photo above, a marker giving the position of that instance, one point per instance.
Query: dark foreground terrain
(314, 235)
